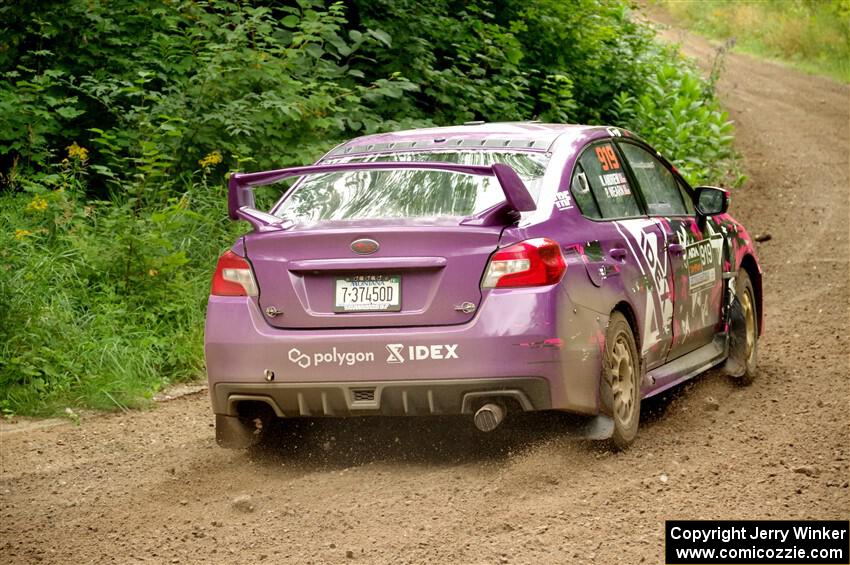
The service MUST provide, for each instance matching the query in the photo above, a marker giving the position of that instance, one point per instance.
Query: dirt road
(153, 486)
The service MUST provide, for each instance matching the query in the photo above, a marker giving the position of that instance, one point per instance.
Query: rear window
(354, 195)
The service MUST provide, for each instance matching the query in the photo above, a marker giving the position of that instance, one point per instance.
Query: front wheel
(621, 380)
(743, 332)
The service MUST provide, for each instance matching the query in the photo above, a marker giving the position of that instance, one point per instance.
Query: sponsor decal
(334, 357)
(648, 244)
(398, 353)
(695, 306)
(563, 200)
(701, 265)
(300, 359)
(643, 164)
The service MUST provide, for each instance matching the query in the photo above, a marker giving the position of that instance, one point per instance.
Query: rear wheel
(621, 380)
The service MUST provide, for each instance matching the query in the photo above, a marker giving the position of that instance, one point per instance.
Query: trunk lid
(439, 261)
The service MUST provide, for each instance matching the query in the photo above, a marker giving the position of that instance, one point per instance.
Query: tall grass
(102, 302)
(813, 35)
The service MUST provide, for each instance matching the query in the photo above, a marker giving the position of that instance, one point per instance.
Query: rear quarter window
(600, 186)
(581, 194)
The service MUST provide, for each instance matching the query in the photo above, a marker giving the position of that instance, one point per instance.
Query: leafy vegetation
(813, 35)
(102, 301)
(121, 119)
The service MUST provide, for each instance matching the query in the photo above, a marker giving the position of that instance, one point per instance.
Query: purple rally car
(479, 270)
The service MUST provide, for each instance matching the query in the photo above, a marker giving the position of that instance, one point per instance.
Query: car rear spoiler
(240, 188)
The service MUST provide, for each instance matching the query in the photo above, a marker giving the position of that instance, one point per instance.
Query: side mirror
(710, 200)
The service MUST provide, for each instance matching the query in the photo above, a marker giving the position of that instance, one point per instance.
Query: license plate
(368, 293)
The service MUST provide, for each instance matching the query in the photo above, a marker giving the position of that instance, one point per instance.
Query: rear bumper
(511, 348)
(393, 398)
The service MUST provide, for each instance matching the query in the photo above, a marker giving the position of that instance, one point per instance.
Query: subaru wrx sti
(478, 270)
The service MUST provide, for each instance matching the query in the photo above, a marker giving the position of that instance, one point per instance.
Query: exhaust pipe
(489, 417)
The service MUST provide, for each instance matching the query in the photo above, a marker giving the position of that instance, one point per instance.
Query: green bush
(677, 112)
(182, 80)
(122, 118)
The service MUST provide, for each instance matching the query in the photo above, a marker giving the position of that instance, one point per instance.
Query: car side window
(655, 181)
(580, 187)
(603, 172)
(686, 197)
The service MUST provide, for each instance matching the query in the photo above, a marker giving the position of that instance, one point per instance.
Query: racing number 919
(607, 158)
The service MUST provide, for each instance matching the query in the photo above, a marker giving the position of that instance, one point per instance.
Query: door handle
(617, 253)
(676, 248)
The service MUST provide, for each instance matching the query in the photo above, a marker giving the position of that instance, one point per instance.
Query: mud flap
(596, 428)
(602, 426)
(606, 395)
(231, 432)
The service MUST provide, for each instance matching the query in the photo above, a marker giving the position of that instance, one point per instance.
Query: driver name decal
(615, 185)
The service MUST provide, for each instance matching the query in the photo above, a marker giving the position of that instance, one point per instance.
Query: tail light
(233, 277)
(533, 262)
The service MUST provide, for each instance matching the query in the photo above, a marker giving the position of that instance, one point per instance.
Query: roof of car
(530, 136)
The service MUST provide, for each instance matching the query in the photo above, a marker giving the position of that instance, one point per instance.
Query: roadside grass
(102, 303)
(811, 35)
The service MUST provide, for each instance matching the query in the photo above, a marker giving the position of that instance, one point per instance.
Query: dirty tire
(621, 367)
(747, 333)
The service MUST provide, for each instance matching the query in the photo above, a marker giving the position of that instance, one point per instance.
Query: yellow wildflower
(213, 158)
(77, 152)
(37, 204)
(153, 273)
(20, 234)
